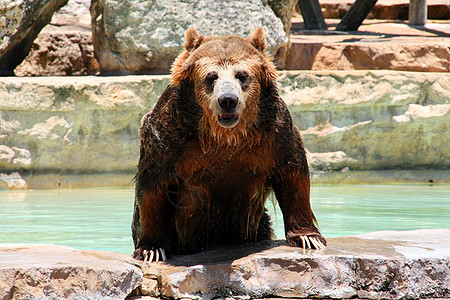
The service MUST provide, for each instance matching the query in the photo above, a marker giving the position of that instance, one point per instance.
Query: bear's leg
(152, 226)
(191, 215)
(265, 231)
(292, 192)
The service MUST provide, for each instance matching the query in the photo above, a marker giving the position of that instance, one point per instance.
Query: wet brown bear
(217, 142)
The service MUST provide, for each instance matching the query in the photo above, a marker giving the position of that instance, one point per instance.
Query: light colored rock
(381, 265)
(422, 111)
(138, 37)
(325, 161)
(76, 13)
(59, 272)
(20, 23)
(13, 181)
(53, 130)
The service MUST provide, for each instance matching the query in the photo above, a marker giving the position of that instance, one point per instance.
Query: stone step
(377, 45)
(380, 265)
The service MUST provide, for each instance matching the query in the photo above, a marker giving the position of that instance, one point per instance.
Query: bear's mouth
(228, 120)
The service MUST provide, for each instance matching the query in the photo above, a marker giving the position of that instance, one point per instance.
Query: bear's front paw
(149, 255)
(306, 241)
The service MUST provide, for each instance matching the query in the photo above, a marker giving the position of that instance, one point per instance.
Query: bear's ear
(193, 39)
(257, 39)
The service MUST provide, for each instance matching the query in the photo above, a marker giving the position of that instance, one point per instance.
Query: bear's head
(228, 75)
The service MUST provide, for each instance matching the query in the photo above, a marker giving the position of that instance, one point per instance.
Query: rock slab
(59, 272)
(386, 9)
(380, 265)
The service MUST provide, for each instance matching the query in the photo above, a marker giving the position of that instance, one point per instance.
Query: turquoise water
(100, 219)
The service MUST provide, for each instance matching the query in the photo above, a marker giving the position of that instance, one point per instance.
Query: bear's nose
(228, 101)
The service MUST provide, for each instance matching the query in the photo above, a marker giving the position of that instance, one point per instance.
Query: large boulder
(20, 23)
(143, 37)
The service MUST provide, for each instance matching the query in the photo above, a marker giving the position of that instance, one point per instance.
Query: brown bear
(217, 143)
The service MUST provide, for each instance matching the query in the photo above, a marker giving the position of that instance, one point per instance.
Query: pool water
(100, 219)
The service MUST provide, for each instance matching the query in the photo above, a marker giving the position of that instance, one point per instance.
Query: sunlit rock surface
(58, 272)
(380, 265)
(55, 128)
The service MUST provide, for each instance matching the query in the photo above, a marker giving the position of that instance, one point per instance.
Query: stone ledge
(380, 265)
(59, 272)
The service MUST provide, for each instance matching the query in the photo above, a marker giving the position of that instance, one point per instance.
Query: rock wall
(372, 120)
(73, 125)
(59, 127)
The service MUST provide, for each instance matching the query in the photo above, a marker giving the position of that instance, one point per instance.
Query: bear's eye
(210, 78)
(242, 76)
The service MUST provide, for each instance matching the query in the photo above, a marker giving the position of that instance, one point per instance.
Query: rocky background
(142, 37)
(129, 37)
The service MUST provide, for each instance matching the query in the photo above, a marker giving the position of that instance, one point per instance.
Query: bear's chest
(226, 164)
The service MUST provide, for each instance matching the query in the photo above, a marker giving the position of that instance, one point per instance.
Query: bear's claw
(309, 241)
(149, 256)
(316, 243)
